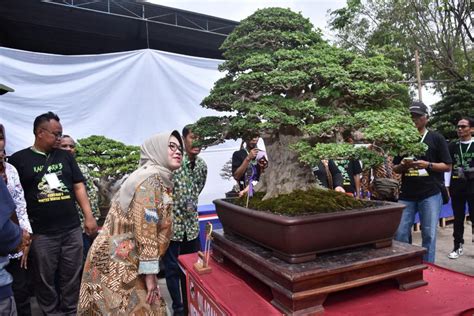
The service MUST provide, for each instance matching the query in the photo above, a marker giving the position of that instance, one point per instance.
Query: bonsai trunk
(284, 173)
(107, 187)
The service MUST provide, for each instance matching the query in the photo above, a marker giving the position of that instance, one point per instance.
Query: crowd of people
(423, 183)
(56, 207)
(49, 212)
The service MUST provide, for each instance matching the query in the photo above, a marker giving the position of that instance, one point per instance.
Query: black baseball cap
(419, 107)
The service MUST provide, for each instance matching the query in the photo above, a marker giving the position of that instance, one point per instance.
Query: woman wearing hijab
(18, 261)
(120, 271)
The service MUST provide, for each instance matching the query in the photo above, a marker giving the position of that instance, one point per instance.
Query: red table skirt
(228, 290)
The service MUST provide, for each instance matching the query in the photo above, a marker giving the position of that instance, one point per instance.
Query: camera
(469, 173)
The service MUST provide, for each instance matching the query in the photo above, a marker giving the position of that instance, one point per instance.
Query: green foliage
(458, 102)
(107, 158)
(283, 79)
(308, 202)
(440, 30)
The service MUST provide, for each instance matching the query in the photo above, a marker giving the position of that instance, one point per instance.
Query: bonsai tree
(109, 161)
(285, 83)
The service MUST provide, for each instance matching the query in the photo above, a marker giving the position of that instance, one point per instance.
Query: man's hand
(252, 154)
(420, 164)
(90, 226)
(25, 241)
(407, 163)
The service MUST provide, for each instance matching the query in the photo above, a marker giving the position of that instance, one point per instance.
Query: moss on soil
(314, 201)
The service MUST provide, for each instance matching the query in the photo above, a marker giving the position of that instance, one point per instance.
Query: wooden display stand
(301, 288)
(202, 265)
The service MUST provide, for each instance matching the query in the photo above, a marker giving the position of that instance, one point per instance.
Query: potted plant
(282, 81)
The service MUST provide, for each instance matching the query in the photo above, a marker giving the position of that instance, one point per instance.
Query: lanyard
(424, 135)
(462, 154)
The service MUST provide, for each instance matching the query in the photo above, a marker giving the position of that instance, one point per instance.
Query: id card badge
(422, 172)
(190, 205)
(52, 180)
(461, 173)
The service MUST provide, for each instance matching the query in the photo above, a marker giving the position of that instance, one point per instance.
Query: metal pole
(147, 35)
(146, 24)
(418, 77)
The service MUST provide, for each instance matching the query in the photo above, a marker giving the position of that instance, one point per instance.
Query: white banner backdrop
(126, 96)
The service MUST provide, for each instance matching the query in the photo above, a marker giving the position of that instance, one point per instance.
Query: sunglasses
(174, 147)
(462, 126)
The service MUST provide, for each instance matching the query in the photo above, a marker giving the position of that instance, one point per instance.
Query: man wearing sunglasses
(461, 182)
(53, 182)
(422, 178)
(189, 180)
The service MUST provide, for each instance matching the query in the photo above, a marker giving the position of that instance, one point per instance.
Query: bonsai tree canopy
(109, 161)
(283, 82)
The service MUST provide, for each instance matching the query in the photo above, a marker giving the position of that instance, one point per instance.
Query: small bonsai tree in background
(226, 171)
(457, 102)
(109, 161)
(285, 83)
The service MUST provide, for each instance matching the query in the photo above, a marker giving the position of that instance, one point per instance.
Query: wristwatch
(430, 166)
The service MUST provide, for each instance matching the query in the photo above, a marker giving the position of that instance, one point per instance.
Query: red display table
(229, 290)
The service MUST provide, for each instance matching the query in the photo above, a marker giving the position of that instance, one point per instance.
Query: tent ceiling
(103, 26)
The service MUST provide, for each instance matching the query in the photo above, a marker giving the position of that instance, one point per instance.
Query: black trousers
(175, 278)
(20, 286)
(458, 202)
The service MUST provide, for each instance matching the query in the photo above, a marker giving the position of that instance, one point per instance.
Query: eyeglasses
(462, 126)
(57, 135)
(174, 147)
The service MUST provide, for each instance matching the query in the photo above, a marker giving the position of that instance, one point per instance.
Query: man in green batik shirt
(69, 144)
(189, 180)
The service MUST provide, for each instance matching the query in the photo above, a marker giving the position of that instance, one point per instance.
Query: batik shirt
(16, 191)
(131, 243)
(188, 184)
(91, 194)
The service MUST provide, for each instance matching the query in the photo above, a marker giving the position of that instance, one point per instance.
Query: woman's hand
(25, 241)
(24, 258)
(244, 191)
(152, 289)
(339, 189)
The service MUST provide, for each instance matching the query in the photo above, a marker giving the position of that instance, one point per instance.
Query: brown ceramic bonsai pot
(298, 239)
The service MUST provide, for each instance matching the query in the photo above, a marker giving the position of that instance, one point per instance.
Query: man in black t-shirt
(52, 183)
(245, 160)
(461, 186)
(329, 175)
(422, 177)
(350, 170)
